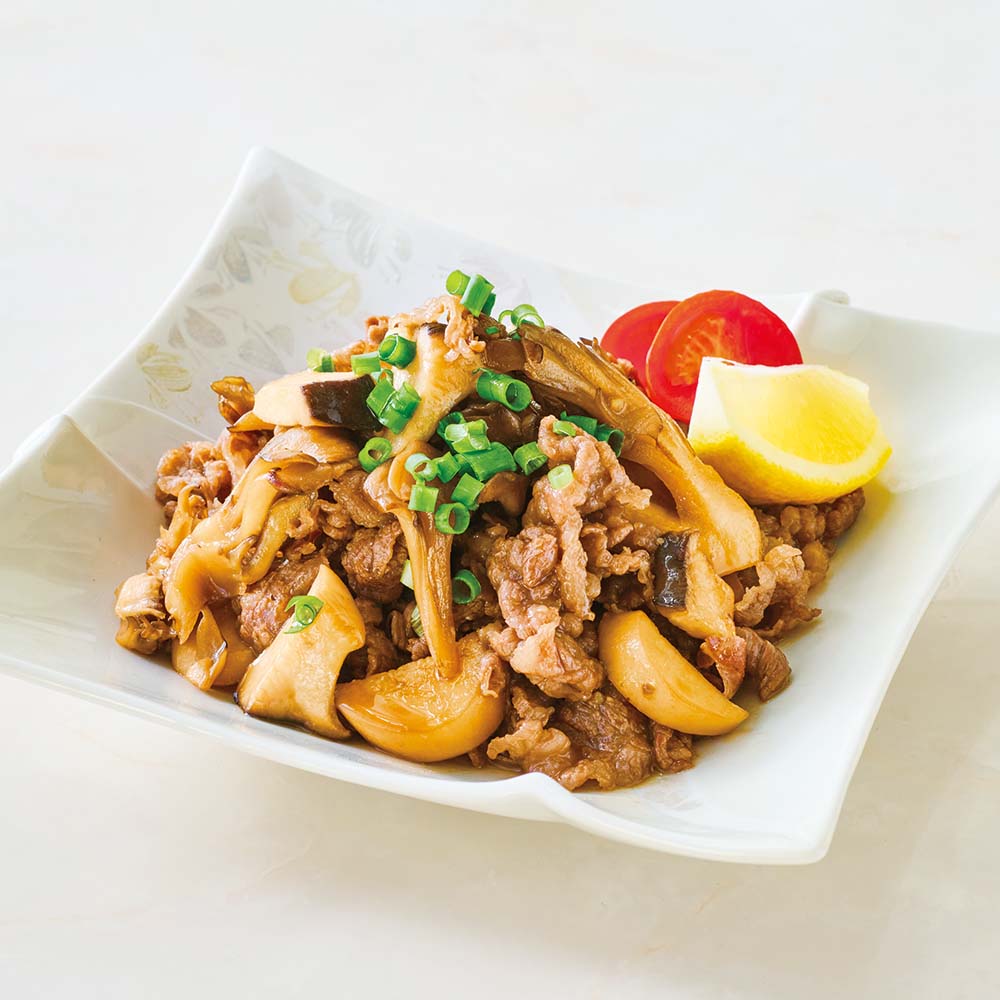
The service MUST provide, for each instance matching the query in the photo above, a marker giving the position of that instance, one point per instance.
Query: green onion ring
(452, 518)
(465, 587)
(560, 477)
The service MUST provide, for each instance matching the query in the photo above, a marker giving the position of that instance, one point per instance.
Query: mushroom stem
(429, 551)
(430, 560)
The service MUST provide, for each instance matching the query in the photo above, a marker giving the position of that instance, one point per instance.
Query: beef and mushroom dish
(467, 536)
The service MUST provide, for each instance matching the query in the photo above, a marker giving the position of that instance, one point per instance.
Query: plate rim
(528, 796)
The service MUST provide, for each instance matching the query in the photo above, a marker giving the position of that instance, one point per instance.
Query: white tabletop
(801, 147)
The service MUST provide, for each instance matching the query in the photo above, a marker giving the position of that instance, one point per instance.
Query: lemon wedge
(795, 434)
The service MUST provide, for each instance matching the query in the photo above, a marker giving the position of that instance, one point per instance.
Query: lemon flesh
(794, 434)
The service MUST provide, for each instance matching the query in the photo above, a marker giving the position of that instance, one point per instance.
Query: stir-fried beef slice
(527, 742)
(348, 492)
(503, 641)
(798, 542)
(556, 514)
(304, 534)
(672, 751)
(765, 664)
(547, 576)
(800, 524)
(198, 464)
(816, 557)
(598, 482)
(598, 477)
(587, 639)
(371, 611)
(841, 514)
(403, 636)
(375, 330)
(727, 654)
(557, 664)
(602, 739)
(612, 737)
(603, 562)
(522, 571)
(373, 561)
(780, 619)
(377, 655)
(477, 613)
(336, 523)
(144, 626)
(261, 609)
(781, 586)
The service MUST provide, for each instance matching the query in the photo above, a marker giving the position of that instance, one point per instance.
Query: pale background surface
(808, 146)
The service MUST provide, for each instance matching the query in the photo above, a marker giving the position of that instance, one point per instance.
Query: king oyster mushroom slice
(429, 552)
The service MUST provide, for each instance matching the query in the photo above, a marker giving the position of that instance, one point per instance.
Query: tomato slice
(718, 325)
(631, 334)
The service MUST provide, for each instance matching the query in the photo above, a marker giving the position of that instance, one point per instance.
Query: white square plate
(296, 261)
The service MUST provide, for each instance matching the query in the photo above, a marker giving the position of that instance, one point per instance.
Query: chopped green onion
(452, 418)
(397, 350)
(490, 302)
(471, 443)
(366, 364)
(319, 360)
(415, 623)
(490, 330)
(393, 419)
(466, 438)
(515, 336)
(446, 468)
(460, 429)
(456, 282)
(408, 396)
(406, 577)
(466, 491)
(380, 395)
(374, 453)
(512, 392)
(397, 411)
(488, 463)
(452, 518)
(465, 588)
(589, 424)
(306, 608)
(564, 427)
(476, 294)
(530, 458)
(423, 498)
(560, 477)
(505, 315)
(612, 435)
(526, 314)
(420, 466)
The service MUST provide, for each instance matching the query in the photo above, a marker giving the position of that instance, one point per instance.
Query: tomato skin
(712, 324)
(630, 335)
